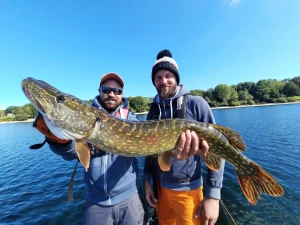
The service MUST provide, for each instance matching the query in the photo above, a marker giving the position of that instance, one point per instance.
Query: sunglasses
(107, 90)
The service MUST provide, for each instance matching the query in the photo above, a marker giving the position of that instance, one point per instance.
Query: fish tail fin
(257, 182)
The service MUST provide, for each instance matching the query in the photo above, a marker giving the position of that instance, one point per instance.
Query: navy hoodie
(187, 174)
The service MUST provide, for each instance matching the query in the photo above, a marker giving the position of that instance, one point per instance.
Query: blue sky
(71, 44)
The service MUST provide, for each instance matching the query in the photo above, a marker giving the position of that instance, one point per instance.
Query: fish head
(66, 116)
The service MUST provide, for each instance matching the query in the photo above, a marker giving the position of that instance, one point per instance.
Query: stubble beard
(166, 92)
(109, 105)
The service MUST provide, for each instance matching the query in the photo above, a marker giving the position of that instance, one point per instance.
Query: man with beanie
(179, 198)
(111, 180)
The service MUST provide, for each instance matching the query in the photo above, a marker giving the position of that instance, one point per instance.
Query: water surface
(34, 184)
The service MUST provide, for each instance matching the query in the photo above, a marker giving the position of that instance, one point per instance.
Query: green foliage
(232, 103)
(234, 96)
(30, 110)
(10, 109)
(196, 92)
(7, 118)
(296, 80)
(222, 92)
(281, 100)
(246, 86)
(207, 99)
(250, 102)
(21, 114)
(266, 89)
(209, 94)
(213, 104)
(291, 89)
(2, 113)
(138, 104)
(244, 95)
(272, 100)
(291, 99)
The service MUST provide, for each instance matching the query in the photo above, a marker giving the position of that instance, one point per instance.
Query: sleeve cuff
(213, 193)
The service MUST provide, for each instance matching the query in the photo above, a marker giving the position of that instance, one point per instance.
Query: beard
(110, 104)
(166, 91)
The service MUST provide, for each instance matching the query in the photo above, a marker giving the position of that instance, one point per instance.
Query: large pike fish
(74, 119)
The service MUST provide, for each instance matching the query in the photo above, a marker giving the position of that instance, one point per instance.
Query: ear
(99, 90)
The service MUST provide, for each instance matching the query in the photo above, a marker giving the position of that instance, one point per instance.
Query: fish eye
(60, 99)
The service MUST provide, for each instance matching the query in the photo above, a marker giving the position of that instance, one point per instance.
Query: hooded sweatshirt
(110, 178)
(186, 174)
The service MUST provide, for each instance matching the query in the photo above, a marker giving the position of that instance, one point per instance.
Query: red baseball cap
(113, 76)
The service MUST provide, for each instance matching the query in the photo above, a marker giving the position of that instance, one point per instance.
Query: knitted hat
(113, 76)
(164, 61)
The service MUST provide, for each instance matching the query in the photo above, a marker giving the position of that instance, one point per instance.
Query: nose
(111, 93)
(164, 80)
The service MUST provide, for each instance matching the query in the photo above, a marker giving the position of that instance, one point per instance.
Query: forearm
(214, 182)
(66, 151)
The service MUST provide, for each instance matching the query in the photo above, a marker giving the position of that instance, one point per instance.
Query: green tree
(261, 91)
(10, 109)
(138, 104)
(21, 114)
(222, 92)
(209, 95)
(30, 110)
(291, 89)
(245, 97)
(149, 99)
(196, 92)
(234, 98)
(264, 90)
(244, 86)
(2, 113)
(296, 80)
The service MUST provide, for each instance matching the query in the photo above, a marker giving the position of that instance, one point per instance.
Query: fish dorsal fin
(233, 137)
(164, 161)
(212, 162)
(83, 153)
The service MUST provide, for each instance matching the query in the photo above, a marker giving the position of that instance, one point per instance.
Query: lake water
(34, 184)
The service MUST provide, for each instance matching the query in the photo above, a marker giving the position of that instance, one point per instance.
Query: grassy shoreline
(223, 107)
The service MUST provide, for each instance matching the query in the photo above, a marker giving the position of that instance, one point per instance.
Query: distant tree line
(246, 93)
(249, 93)
(18, 113)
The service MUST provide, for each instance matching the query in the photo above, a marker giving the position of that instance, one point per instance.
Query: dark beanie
(164, 61)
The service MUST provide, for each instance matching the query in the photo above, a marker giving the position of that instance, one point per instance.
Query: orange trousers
(178, 207)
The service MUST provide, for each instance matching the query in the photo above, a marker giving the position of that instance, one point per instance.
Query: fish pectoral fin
(83, 153)
(257, 182)
(212, 162)
(233, 137)
(164, 161)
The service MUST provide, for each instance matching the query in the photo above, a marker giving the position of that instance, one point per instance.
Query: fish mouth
(30, 90)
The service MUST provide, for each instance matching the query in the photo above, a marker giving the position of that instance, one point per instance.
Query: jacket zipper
(105, 177)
